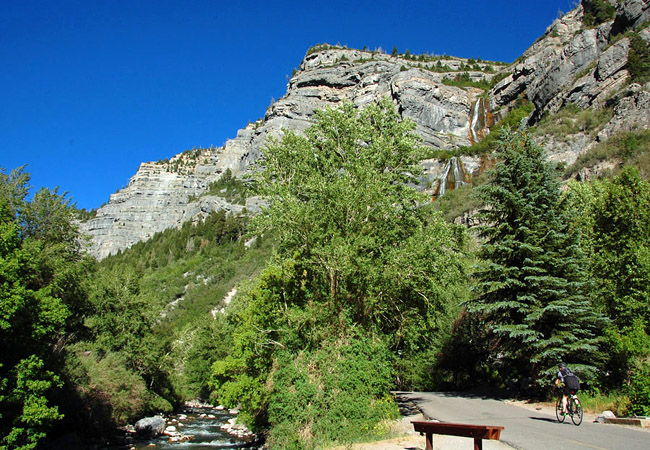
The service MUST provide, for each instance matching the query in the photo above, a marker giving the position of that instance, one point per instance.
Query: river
(202, 424)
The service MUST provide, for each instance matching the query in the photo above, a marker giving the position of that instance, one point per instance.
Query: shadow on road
(483, 393)
(544, 419)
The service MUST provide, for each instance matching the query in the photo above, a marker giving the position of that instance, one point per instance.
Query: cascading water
(442, 182)
(478, 122)
(453, 176)
(200, 427)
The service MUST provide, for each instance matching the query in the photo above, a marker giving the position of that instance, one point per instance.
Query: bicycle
(573, 407)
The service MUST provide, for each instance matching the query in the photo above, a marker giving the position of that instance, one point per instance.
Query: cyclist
(569, 383)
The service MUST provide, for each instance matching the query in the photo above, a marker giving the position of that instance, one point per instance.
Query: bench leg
(429, 440)
(478, 444)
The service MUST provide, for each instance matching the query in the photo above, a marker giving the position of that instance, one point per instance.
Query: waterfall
(442, 182)
(478, 125)
(453, 176)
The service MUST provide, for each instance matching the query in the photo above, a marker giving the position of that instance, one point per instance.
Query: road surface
(528, 429)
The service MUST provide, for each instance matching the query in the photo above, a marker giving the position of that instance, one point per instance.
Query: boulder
(150, 427)
(604, 416)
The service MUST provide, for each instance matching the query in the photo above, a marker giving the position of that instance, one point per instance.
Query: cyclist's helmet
(562, 365)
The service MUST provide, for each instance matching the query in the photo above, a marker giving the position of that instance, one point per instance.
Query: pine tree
(532, 289)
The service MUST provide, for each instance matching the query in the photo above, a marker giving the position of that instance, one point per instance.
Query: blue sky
(90, 89)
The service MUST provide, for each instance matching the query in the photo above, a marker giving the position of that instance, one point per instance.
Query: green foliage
(532, 283)
(165, 289)
(622, 249)
(321, 47)
(27, 404)
(630, 148)
(465, 80)
(638, 59)
(595, 400)
(356, 256)
(612, 219)
(210, 339)
(572, 119)
(458, 201)
(230, 188)
(84, 215)
(333, 393)
(639, 390)
(107, 393)
(597, 12)
(40, 302)
(621, 268)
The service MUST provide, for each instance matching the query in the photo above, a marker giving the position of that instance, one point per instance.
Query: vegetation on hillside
(639, 59)
(89, 346)
(597, 12)
(349, 285)
(361, 292)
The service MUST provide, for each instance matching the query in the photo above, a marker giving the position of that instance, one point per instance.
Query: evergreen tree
(639, 59)
(532, 288)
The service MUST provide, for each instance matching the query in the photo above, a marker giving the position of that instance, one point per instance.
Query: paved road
(527, 429)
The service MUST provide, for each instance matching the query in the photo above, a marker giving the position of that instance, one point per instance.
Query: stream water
(203, 425)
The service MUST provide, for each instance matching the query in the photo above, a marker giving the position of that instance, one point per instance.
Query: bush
(572, 119)
(639, 390)
(101, 393)
(616, 402)
(638, 59)
(597, 12)
(332, 394)
(630, 148)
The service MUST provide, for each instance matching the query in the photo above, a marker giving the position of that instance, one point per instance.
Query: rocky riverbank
(196, 426)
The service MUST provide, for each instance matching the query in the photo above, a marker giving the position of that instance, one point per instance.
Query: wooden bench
(478, 432)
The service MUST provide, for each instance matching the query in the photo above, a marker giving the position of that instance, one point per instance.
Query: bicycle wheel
(558, 410)
(576, 417)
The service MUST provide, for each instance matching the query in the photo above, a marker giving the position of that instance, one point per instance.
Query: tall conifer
(532, 288)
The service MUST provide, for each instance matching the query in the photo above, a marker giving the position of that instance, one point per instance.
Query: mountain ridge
(570, 64)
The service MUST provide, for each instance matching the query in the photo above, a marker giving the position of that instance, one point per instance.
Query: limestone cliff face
(570, 63)
(587, 67)
(162, 195)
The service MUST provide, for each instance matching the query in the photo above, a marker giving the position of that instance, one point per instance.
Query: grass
(596, 402)
(572, 119)
(456, 202)
(630, 148)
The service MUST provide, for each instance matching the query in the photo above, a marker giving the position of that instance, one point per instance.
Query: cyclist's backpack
(571, 380)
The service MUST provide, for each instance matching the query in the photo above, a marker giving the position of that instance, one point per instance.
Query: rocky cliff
(570, 64)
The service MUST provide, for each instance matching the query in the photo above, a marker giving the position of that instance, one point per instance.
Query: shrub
(630, 148)
(639, 390)
(572, 119)
(597, 12)
(107, 394)
(638, 59)
(332, 394)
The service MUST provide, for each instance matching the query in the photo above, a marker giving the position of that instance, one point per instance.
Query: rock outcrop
(163, 195)
(569, 64)
(587, 67)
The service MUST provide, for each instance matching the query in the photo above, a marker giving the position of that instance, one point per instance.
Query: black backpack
(571, 380)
